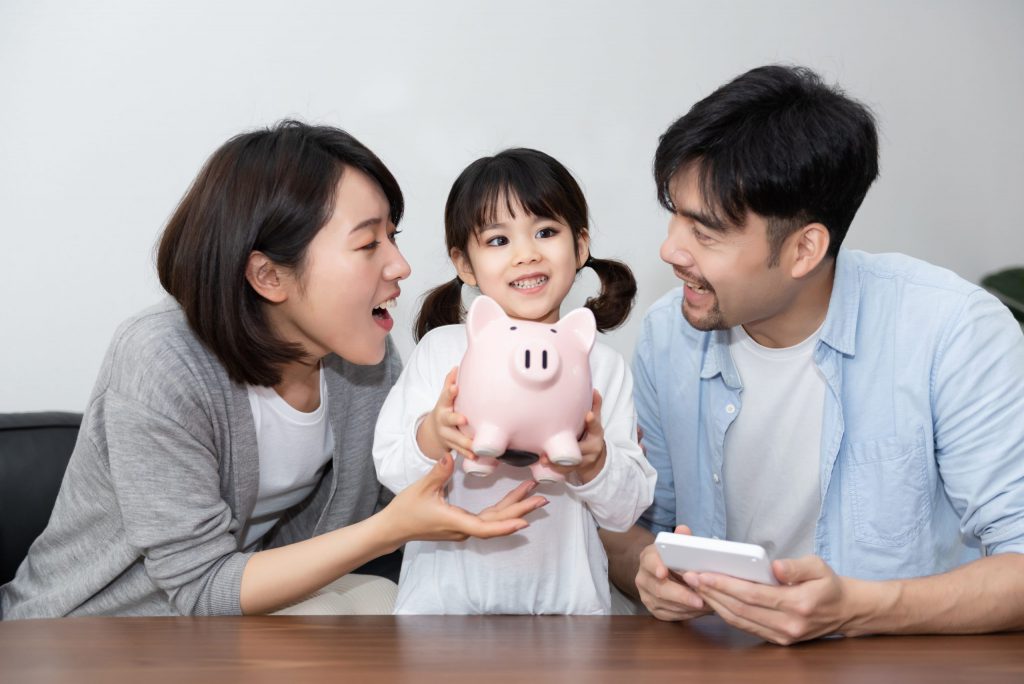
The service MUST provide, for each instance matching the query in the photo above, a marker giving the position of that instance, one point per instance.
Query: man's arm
(984, 596)
(624, 550)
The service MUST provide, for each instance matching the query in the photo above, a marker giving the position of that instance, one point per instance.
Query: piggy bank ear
(580, 323)
(482, 312)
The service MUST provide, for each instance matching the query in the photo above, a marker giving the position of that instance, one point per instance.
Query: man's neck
(801, 317)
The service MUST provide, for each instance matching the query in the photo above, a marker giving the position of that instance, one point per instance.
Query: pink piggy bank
(525, 388)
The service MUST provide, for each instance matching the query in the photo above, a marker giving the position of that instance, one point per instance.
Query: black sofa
(34, 453)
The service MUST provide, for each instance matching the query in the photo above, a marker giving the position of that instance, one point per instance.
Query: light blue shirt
(922, 442)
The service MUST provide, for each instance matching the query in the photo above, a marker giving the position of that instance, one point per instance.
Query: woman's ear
(463, 268)
(810, 249)
(582, 248)
(266, 277)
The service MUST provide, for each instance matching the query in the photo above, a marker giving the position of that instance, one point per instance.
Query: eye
(393, 235)
(497, 241)
(701, 236)
(546, 232)
(369, 247)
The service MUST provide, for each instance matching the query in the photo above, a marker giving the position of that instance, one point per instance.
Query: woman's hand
(420, 511)
(439, 432)
(593, 450)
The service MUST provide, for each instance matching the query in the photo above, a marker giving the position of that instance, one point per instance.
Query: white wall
(108, 109)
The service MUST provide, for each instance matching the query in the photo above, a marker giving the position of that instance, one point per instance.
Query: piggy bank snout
(535, 363)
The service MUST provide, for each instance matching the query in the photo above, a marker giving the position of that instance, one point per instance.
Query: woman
(224, 465)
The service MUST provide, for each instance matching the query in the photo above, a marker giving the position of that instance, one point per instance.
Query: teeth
(698, 290)
(529, 282)
(387, 304)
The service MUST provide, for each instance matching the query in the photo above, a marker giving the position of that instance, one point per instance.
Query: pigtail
(441, 306)
(612, 305)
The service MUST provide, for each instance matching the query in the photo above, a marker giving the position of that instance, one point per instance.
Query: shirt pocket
(888, 486)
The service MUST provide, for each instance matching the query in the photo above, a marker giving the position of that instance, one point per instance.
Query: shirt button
(715, 477)
(730, 408)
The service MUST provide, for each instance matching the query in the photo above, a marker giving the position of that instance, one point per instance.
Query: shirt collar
(840, 328)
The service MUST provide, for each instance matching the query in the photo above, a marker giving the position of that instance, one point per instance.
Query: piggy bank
(525, 388)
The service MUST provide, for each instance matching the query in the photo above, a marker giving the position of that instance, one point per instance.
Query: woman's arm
(279, 577)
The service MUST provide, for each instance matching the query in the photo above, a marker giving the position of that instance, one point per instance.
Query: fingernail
(543, 502)
(696, 603)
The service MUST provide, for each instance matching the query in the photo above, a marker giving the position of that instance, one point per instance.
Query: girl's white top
(557, 564)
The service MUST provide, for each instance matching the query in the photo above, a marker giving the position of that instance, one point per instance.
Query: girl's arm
(624, 487)
(397, 455)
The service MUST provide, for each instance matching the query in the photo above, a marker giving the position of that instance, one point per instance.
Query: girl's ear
(462, 266)
(581, 324)
(266, 277)
(582, 248)
(482, 312)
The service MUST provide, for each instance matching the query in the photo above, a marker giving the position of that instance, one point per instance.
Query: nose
(526, 253)
(396, 268)
(674, 250)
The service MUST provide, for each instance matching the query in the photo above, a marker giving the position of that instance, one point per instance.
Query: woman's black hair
(543, 187)
(271, 191)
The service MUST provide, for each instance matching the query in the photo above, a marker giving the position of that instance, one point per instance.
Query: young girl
(516, 229)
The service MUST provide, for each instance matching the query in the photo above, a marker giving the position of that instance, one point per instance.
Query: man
(860, 416)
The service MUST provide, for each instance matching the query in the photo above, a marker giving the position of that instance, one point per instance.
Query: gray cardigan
(165, 474)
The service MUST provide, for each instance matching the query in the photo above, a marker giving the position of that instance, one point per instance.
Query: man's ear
(266, 277)
(462, 266)
(810, 247)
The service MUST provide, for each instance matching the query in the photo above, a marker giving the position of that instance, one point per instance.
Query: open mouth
(529, 283)
(696, 288)
(380, 312)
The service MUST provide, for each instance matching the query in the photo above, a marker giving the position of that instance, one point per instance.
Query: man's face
(724, 268)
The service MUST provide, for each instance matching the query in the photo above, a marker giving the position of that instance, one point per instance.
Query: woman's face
(339, 302)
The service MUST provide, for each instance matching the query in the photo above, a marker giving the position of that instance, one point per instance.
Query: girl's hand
(439, 431)
(421, 512)
(593, 449)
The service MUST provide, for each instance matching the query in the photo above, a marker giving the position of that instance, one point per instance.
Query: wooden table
(480, 650)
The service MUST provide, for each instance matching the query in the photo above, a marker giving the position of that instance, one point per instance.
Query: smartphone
(683, 552)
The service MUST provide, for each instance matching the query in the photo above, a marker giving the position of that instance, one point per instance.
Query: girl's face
(349, 279)
(524, 262)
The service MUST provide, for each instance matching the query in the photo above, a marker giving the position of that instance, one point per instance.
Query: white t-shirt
(294, 447)
(773, 447)
(557, 564)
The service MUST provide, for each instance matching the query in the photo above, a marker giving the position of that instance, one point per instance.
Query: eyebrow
(368, 223)
(701, 218)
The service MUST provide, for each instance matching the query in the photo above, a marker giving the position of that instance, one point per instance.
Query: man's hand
(813, 601)
(663, 592)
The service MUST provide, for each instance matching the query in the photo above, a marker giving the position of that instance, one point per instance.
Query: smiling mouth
(696, 288)
(529, 283)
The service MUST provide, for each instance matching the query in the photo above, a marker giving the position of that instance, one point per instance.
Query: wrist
(387, 530)
(591, 471)
(427, 439)
(867, 603)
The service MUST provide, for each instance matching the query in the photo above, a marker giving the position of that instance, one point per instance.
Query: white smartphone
(682, 552)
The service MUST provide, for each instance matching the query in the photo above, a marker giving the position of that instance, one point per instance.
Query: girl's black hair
(543, 187)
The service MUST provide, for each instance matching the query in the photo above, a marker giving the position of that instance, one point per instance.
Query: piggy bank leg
(563, 449)
(490, 441)
(542, 474)
(481, 467)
